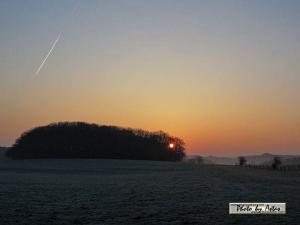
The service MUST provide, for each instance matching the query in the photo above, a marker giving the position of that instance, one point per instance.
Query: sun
(171, 145)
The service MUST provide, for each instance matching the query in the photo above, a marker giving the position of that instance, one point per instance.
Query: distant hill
(265, 158)
(291, 161)
(83, 140)
(261, 159)
(294, 160)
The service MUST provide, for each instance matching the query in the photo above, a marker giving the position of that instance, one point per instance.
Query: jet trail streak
(46, 57)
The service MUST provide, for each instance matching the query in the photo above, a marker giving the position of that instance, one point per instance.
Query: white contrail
(55, 42)
(46, 57)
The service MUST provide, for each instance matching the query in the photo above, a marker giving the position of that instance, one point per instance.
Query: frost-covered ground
(139, 192)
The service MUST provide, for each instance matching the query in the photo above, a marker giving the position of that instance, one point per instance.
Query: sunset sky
(222, 75)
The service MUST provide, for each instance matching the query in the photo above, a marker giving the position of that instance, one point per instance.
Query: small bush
(242, 161)
(276, 162)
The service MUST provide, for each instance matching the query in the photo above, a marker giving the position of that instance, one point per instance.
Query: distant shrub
(276, 162)
(242, 161)
(83, 140)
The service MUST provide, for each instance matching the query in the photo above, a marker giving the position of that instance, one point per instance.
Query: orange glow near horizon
(215, 133)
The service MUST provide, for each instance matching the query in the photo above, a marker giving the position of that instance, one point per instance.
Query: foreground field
(139, 192)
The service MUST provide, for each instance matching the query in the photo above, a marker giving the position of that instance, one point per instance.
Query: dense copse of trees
(83, 140)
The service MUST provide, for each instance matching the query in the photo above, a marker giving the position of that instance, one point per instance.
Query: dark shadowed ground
(139, 192)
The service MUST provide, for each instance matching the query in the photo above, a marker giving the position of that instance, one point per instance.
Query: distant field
(139, 192)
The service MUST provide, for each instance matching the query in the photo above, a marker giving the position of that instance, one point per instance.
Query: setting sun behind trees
(83, 140)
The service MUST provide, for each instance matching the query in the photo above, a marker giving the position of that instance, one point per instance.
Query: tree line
(276, 164)
(84, 140)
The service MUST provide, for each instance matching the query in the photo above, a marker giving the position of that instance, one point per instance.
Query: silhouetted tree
(83, 140)
(242, 161)
(276, 162)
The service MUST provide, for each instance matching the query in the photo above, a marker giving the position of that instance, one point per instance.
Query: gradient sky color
(223, 75)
